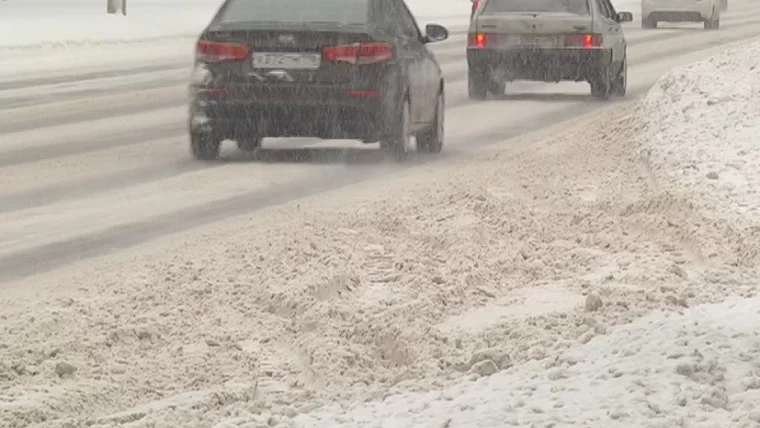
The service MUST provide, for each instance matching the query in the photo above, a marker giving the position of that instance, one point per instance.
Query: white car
(547, 41)
(705, 11)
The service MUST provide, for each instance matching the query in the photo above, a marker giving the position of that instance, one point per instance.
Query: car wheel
(249, 144)
(431, 141)
(601, 84)
(204, 146)
(620, 84)
(398, 145)
(648, 22)
(477, 85)
(497, 89)
(714, 22)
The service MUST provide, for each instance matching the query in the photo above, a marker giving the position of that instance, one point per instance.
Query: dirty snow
(507, 260)
(699, 369)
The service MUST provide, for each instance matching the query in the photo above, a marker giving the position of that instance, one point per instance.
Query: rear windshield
(577, 7)
(349, 11)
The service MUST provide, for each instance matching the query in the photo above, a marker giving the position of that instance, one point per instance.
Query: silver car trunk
(535, 23)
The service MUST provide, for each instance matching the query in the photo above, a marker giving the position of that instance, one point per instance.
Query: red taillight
(365, 94)
(357, 53)
(208, 51)
(585, 41)
(478, 40)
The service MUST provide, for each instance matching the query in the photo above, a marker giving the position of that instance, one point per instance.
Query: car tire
(620, 84)
(497, 89)
(714, 22)
(249, 144)
(648, 22)
(204, 147)
(601, 83)
(431, 141)
(477, 85)
(398, 144)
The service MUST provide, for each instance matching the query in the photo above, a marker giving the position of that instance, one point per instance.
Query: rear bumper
(548, 65)
(678, 12)
(269, 111)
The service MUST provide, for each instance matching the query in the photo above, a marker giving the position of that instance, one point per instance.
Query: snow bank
(698, 136)
(698, 369)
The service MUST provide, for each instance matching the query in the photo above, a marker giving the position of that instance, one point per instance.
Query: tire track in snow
(122, 235)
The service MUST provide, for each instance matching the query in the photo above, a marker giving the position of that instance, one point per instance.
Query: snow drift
(696, 132)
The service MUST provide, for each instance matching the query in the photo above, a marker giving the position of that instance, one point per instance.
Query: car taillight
(358, 53)
(478, 40)
(208, 51)
(585, 41)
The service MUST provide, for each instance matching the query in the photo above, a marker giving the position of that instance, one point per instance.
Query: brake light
(358, 53)
(208, 51)
(478, 40)
(586, 41)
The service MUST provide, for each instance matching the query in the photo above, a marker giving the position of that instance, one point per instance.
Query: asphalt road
(91, 164)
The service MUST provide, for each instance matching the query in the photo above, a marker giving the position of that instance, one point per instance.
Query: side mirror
(624, 17)
(435, 33)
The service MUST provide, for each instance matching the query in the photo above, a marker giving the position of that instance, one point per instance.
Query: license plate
(288, 60)
(537, 41)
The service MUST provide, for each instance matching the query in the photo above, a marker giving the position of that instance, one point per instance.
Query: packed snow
(504, 286)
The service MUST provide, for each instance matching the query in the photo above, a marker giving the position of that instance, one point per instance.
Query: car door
(612, 29)
(430, 75)
(412, 50)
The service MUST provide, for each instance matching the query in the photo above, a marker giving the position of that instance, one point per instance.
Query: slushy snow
(504, 286)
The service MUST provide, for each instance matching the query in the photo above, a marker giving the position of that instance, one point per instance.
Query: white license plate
(537, 41)
(296, 61)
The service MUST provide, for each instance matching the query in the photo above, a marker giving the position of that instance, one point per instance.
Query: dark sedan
(330, 69)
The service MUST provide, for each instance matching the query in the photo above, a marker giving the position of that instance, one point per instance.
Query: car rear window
(577, 7)
(349, 11)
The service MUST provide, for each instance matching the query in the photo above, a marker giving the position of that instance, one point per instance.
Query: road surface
(96, 163)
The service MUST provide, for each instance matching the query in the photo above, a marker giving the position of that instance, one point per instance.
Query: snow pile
(698, 369)
(698, 134)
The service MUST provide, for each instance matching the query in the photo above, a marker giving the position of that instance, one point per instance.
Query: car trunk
(532, 29)
(290, 55)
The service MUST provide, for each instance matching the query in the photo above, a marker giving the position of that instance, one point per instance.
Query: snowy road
(93, 164)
